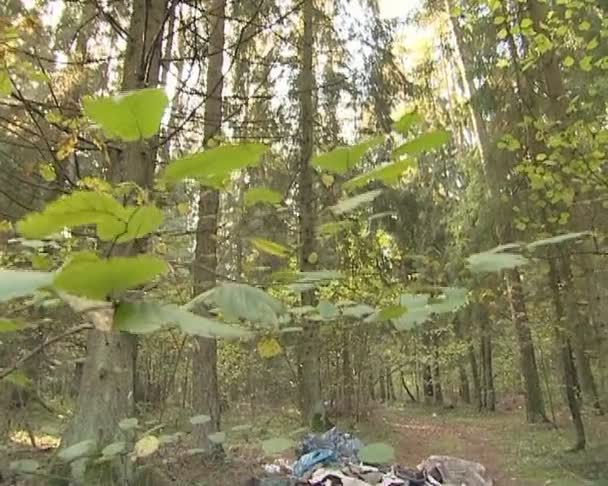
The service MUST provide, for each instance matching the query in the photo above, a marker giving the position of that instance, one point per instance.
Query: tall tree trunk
(464, 391)
(347, 376)
(489, 395)
(107, 385)
(309, 366)
(535, 406)
(567, 361)
(206, 396)
(475, 377)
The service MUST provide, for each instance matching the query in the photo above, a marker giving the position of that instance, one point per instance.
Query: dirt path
(417, 437)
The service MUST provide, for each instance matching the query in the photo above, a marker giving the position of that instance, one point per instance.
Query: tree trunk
(107, 385)
(347, 376)
(535, 406)
(427, 380)
(488, 400)
(206, 396)
(310, 376)
(475, 377)
(567, 361)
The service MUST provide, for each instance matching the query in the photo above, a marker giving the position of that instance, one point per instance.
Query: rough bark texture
(309, 366)
(475, 377)
(205, 397)
(107, 385)
(535, 406)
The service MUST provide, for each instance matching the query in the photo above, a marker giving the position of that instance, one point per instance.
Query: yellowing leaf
(568, 61)
(270, 247)
(47, 172)
(6, 87)
(269, 348)
(342, 159)
(426, 141)
(67, 146)
(183, 208)
(146, 446)
(257, 195)
(327, 180)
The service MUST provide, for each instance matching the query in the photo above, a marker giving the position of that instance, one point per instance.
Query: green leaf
(568, 61)
(128, 423)
(333, 228)
(242, 428)
(352, 203)
(146, 446)
(145, 317)
(113, 220)
(585, 63)
(130, 116)
(418, 311)
(277, 445)
(341, 159)
(217, 437)
(200, 419)
(554, 240)
(388, 173)
(9, 325)
(451, 299)
(114, 449)
(17, 283)
(357, 311)
(98, 279)
(391, 312)
(406, 122)
(76, 451)
(494, 262)
(426, 141)
(6, 87)
(24, 466)
(214, 166)
(377, 453)
(243, 301)
(327, 310)
(19, 379)
(270, 247)
(257, 195)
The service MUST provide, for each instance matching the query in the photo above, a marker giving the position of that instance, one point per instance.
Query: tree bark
(107, 385)
(475, 377)
(206, 396)
(309, 366)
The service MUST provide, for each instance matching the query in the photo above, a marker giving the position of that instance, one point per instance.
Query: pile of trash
(331, 459)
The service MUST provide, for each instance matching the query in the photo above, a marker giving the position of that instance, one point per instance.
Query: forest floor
(514, 453)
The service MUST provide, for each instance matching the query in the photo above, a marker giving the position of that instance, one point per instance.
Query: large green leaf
(241, 301)
(327, 310)
(97, 279)
(418, 311)
(341, 159)
(311, 277)
(270, 247)
(352, 203)
(451, 299)
(76, 451)
(357, 311)
(406, 122)
(494, 262)
(333, 228)
(145, 317)
(377, 453)
(130, 116)
(19, 379)
(555, 240)
(277, 445)
(24, 466)
(388, 173)
(257, 195)
(113, 220)
(19, 283)
(426, 141)
(200, 419)
(217, 437)
(214, 166)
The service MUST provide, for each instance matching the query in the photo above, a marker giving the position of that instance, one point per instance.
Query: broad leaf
(113, 220)
(146, 446)
(506, 246)
(352, 203)
(19, 379)
(333, 228)
(98, 279)
(418, 311)
(426, 141)
(114, 449)
(270, 247)
(131, 116)
(554, 240)
(214, 166)
(452, 299)
(18, 283)
(217, 437)
(327, 310)
(200, 419)
(357, 311)
(242, 428)
(9, 325)
(128, 423)
(277, 445)
(269, 347)
(257, 195)
(145, 317)
(495, 262)
(24, 466)
(377, 453)
(243, 301)
(341, 159)
(406, 122)
(6, 86)
(391, 312)
(76, 451)
(388, 174)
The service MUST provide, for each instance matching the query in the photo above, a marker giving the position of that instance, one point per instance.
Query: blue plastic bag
(310, 460)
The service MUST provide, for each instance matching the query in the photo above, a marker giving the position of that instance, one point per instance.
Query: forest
(229, 228)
